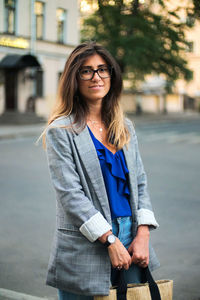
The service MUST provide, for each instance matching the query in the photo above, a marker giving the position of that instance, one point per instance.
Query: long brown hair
(69, 100)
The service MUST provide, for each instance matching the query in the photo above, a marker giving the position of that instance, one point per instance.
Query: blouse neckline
(102, 143)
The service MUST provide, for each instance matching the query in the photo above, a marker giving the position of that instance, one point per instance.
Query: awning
(16, 61)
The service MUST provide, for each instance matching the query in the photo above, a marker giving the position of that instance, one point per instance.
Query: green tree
(142, 39)
(196, 9)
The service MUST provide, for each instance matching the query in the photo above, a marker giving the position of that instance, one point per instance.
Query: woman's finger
(143, 264)
(126, 266)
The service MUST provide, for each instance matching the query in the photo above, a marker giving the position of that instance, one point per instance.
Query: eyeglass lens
(87, 74)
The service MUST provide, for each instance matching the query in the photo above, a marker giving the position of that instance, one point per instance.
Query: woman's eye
(86, 72)
(103, 69)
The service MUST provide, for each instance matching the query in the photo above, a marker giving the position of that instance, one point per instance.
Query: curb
(12, 295)
(159, 118)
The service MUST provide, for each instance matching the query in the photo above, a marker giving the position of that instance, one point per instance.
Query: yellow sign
(15, 43)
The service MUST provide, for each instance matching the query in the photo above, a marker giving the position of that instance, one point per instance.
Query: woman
(103, 208)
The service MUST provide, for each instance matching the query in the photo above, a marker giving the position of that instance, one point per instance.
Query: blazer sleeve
(145, 211)
(69, 191)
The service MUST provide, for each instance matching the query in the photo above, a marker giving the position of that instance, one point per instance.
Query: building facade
(151, 95)
(36, 38)
(185, 95)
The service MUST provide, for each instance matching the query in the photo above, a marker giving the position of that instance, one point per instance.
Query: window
(10, 16)
(59, 76)
(61, 25)
(39, 16)
(190, 20)
(190, 47)
(39, 82)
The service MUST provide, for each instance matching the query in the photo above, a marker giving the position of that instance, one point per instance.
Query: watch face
(111, 238)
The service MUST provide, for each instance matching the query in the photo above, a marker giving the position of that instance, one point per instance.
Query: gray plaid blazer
(79, 263)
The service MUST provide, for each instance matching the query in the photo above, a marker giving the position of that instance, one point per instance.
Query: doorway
(11, 89)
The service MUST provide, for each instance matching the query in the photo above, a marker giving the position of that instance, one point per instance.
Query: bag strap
(121, 286)
(146, 277)
(154, 290)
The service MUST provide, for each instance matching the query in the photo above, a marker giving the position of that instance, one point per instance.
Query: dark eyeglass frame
(97, 71)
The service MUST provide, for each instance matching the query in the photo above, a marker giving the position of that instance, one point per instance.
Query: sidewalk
(12, 295)
(18, 131)
(146, 118)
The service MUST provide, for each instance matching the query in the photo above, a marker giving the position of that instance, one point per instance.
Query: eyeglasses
(88, 74)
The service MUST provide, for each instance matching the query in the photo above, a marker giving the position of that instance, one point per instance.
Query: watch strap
(107, 244)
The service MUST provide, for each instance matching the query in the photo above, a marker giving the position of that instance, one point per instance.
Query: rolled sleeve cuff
(146, 217)
(95, 227)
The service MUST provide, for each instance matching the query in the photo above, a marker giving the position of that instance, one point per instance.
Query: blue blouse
(115, 174)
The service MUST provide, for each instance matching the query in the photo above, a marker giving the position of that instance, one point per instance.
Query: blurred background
(157, 45)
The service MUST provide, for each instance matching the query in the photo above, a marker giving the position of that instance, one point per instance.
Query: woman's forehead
(94, 61)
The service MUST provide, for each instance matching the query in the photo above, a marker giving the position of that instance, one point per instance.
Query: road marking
(12, 295)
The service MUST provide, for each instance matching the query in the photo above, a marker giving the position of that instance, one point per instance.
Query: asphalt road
(171, 156)
(170, 152)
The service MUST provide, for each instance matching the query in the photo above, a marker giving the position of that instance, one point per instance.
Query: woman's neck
(94, 113)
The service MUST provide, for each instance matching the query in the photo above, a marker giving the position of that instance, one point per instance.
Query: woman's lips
(96, 87)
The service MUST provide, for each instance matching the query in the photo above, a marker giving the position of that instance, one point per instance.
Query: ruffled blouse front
(115, 174)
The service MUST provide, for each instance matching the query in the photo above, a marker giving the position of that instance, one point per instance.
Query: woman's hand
(118, 254)
(139, 248)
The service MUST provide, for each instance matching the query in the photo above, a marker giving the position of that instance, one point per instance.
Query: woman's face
(96, 88)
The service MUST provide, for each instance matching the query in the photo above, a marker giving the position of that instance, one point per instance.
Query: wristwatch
(110, 240)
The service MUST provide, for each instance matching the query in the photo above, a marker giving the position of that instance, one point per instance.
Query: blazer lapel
(90, 160)
(130, 158)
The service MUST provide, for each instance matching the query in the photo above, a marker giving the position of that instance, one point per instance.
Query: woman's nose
(96, 76)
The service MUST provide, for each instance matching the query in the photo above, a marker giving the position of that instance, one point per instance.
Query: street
(173, 167)
(170, 152)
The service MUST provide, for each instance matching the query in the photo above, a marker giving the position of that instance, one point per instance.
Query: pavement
(18, 131)
(32, 130)
(12, 295)
(8, 132)
(146, 118)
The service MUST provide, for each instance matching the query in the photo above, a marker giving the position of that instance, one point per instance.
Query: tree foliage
(196, 8)
(143, 38)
